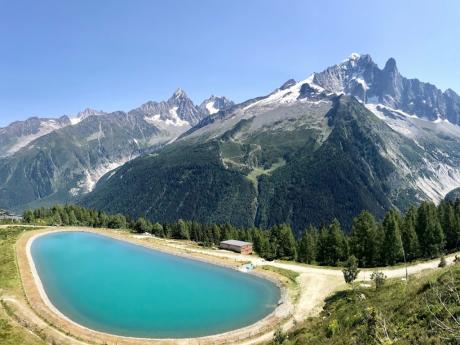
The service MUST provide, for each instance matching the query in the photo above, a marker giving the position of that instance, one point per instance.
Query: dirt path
(364, 274)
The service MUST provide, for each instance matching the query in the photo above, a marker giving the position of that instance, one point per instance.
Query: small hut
(237, 246)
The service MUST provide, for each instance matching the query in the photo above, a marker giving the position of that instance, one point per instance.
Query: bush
(279, 337)
(442, 262)
(332, 328)
(379, 279)
(350, 272)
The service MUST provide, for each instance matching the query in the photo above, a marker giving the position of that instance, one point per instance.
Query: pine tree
(322, 246)
(260, 242)
(409, 235)
(65, 218)
(392, 248)
(157, 229)
(429, 231)
(142, 225)
(181, 230)
(449, 224)
(215, 230)
(337, 247)
(365, 241)
(117, 221)
(103, 219)
(308, 245)
(29, 216)
(283, 240)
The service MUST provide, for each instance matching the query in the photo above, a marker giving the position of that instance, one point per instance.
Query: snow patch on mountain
(354, 56)
(440, 180)
(91, 177)
(287, 95)
(45, 128)
(211, 108)
(163, 123)
(361, 82)
(85, 114)
(74, 120)
(313, 85)
(175, 120)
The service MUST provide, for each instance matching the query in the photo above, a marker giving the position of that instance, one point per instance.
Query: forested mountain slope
(47, 161)
(321, 161)
(305, 153)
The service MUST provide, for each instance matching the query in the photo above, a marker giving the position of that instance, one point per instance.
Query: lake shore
(40, 303)
(313, 285)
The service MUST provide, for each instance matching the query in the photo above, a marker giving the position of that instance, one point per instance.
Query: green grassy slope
(10, 332)
(398, 313)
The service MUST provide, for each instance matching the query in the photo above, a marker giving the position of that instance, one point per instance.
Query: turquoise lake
(117, 287)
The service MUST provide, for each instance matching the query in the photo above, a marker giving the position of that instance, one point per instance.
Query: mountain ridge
(292, 161)
(64, 161)
(283, 157)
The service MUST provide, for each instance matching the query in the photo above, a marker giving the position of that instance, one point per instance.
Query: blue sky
(58, 57)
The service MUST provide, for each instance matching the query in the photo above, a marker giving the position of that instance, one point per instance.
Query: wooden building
(237, 246)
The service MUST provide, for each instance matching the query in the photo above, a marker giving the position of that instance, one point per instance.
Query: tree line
(425, 231)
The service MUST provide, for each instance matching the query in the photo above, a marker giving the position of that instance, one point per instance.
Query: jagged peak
(211, 98)
(390, 65)
(89, 112)
(450, 92)
(213, 104)
(179, 93)
(354, 56)
(288, 84)
(216, 98)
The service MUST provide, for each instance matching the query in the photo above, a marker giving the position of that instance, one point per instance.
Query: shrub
(379, 279)
(279, 337)
(442, 262)
(332, 328)
(350, 272)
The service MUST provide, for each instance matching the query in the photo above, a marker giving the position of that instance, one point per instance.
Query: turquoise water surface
(121, 288)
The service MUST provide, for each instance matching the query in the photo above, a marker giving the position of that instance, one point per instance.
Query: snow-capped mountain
(349, 138)
(178, 110)
(20, 133)
(85, 114)
(175, 116)
(352, 137)
(57, 160)
(359, 76)
(215, 104)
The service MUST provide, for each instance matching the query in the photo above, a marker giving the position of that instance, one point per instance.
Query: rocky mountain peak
(179, 93)
(288, 84)
(354, 56)
(353, 76)
(390, 66)
(180, 97)
(178, 110)
(214, 104)
(359, 76)
(450, 93)
(85, 114)
(357, 60)
(90, 112)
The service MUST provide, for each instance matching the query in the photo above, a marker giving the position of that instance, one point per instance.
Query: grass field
(10, 332)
